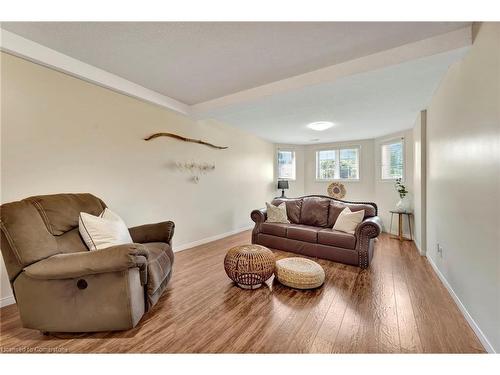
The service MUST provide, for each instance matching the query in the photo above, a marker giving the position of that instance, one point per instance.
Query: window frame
(294, 158)
(403, 155)
(337, 150)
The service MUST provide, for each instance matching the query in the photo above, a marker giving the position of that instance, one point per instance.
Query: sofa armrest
(159, 232)
(365, 232)
(72, 265)
(259, 216)
(370, 227)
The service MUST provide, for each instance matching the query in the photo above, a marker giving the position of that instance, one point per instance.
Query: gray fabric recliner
(61, 286)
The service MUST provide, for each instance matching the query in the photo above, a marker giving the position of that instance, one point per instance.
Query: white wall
(420, 180)
(463, 180)
(355, 190)
(61, 134)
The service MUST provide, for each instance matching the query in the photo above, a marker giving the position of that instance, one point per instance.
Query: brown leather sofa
(61, 286)
(310, 230)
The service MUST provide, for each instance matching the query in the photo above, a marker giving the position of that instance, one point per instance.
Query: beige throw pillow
(348, 220)
(276, 214)
(105, 230)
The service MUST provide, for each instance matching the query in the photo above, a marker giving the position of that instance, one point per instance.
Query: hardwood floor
(397, 305)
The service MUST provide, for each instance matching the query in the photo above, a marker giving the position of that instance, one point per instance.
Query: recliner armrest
(111, 259)
(159, 232)
(370, 227)
(259, 216)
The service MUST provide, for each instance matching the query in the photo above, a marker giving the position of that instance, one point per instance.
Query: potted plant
(404, 203)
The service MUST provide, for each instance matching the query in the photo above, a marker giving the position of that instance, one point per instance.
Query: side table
(400, 224)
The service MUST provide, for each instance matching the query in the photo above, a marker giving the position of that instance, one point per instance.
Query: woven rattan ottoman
(299, 273)
(249, 265)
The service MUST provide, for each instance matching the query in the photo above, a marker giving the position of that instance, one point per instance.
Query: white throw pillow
(276, 214)
(348, 220)
(105, 230)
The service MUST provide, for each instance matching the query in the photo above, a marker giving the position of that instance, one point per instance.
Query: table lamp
(282, 184)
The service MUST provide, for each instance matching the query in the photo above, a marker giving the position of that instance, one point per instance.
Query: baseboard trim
(6, 301)
(419, 248)
(475, 327)
(203, 241)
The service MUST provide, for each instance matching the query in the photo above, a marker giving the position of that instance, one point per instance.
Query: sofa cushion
(105, 230)
(335, 238)
(157, 247)
(25, 238)
(275, 229)
(314, 211)
(276, 214)
(337, 207)
(348, 220)
(60, 211)
(302, 233)
(293, 207)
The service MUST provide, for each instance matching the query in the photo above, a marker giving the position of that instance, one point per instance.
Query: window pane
(349, 164)
(286, 165)
(392, 160)
(326, 164)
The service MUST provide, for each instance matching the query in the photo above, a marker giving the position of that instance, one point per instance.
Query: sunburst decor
(336, 190)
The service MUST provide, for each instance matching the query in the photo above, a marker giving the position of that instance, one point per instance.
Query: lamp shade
(282, 184)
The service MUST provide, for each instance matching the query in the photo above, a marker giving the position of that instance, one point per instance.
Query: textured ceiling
(196, 62)
(362, 106)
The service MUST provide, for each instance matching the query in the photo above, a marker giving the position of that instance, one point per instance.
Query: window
(327, 163)
(392, 160)
(349, 164)
(286, 165)
(338, 164)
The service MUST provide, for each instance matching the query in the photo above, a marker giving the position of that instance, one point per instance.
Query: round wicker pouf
(249, 265)
(299, 273)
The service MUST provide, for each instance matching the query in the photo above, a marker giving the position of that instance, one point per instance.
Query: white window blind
(286, 165)
(392, 159)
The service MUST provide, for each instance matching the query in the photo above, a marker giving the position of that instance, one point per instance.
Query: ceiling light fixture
(320, 125)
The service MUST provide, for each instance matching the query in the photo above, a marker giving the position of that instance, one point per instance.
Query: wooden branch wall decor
(181, 138)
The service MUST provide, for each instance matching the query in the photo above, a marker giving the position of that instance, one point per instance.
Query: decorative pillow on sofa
(105, 230)
(314, 211)
(293, 207)
(276, 214)
(348, 220)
